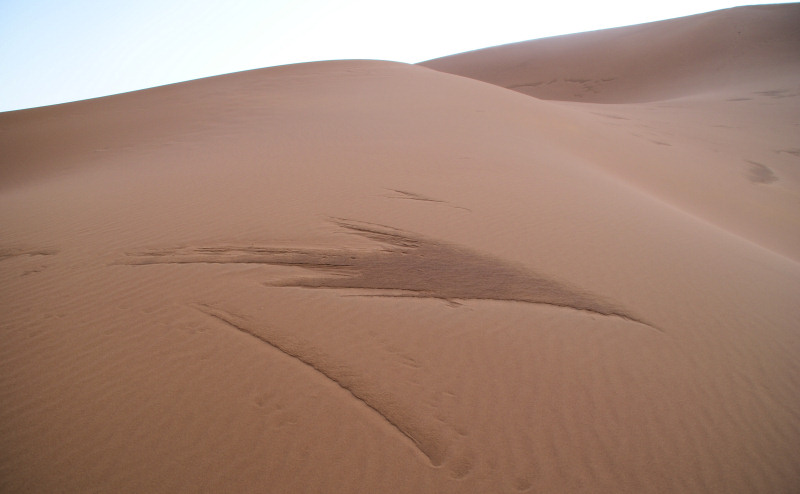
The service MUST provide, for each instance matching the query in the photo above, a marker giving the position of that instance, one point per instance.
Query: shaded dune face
(408, 266)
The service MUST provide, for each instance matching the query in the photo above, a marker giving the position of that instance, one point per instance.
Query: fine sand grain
(454, 277)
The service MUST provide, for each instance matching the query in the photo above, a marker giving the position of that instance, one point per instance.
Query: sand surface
(367, 276)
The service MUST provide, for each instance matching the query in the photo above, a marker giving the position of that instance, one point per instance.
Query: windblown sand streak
(11, 252)
(413, 267)
(427, 440)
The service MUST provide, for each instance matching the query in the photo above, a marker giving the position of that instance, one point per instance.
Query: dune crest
(724, 49)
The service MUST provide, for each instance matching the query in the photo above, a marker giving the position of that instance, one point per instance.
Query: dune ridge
(732, 48)
(425, 441)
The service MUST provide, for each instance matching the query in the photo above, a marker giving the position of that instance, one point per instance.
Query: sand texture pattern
(566, 265)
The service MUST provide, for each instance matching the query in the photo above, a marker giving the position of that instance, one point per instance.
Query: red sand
(363, 276)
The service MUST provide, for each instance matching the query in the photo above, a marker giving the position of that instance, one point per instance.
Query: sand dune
(738, 48)
(719, 91)
(365, 276)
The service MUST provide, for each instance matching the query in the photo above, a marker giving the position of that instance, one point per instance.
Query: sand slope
(733, 48)
(364, 276)
(711, 97)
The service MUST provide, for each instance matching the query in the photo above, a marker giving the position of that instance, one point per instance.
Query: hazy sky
(54, 51)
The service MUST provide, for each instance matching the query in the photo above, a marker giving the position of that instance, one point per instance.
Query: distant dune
(366, 276)
(727, 50)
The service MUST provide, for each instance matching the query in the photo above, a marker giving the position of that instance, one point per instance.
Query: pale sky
(55, 51)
